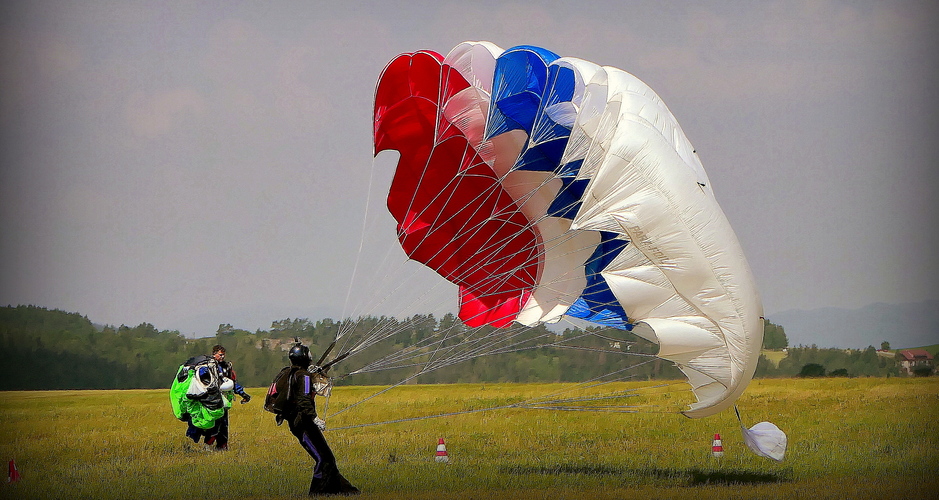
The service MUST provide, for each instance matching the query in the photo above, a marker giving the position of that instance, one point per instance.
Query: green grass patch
(848, 438)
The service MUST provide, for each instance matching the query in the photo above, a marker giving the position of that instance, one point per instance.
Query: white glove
(320, 423)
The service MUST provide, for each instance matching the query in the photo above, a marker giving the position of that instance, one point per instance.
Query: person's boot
(316, 486)
(346, 488)
(194, 434)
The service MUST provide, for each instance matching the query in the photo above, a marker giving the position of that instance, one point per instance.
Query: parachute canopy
(547, 186)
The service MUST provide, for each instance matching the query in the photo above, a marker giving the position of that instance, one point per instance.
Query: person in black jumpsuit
(301, 417)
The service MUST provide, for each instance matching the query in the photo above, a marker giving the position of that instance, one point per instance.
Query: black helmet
(299, 355)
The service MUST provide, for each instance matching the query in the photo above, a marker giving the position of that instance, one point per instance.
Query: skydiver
(225, 370)
(304, 382)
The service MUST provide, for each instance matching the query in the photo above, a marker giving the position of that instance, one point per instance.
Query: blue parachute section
(531, 92)
(598, 304)
(518, 84)
(552, 125)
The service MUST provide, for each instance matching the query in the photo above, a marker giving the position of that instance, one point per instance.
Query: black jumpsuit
(326, 477)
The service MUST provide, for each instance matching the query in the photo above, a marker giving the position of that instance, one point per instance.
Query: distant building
(282, 344)
(912, 360)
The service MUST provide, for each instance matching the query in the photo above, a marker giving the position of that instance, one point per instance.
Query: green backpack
(199, 415)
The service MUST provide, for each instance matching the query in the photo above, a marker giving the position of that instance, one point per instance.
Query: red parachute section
(452, 213)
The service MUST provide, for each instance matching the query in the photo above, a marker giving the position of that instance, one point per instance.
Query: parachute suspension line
(347, 326)
(395, 361)
(380, 330)
(470, 348)
(388, 275)
(428, 294)
(453, 356)
(469, 344)
(474, 202)
(410, 206)
(544, 402)
(355, 266)
(610, 409)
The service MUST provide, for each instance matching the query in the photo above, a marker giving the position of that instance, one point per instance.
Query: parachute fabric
(764, 439)
(578, 194)
(452, 213)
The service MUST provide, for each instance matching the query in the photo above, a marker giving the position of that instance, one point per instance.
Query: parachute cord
(398, 360)
(531, 404)
(548, 401)
(358, 256)
(612, 409)
(378, 393)
(427, 368)
(412, 419)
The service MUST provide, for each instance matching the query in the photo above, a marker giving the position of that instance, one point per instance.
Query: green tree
(774, 336)
(812, 370)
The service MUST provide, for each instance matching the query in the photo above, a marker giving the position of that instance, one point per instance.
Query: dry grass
(848, 438)
(774, 356)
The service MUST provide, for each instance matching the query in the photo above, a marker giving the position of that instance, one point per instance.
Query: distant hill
(903, 325)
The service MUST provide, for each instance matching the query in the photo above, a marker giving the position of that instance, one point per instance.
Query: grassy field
(848, 438)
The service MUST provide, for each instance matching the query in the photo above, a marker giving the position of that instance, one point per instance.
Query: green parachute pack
(197, 391)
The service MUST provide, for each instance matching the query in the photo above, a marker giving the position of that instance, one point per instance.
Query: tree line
(51, 349)
(813, 361)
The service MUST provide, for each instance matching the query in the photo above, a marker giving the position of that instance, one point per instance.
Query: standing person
(225, 371)
(298, 385)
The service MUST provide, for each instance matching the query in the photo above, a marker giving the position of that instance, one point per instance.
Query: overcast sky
(191, 163)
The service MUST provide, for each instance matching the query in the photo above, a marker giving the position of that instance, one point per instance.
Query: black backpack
(277, 400)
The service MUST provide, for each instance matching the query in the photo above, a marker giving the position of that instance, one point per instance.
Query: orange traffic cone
(442, 456)
(717, 449)
(14, 474)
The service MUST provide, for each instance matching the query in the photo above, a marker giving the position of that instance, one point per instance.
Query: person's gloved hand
(320, 423)
(245, 397)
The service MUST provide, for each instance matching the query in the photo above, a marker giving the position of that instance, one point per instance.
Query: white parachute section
(683, 279)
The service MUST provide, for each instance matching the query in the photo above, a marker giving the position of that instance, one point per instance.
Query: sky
(188, 164)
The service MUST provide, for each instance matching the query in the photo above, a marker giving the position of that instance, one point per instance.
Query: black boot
(332, 484)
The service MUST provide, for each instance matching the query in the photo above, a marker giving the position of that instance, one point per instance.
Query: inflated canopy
(547, 186)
